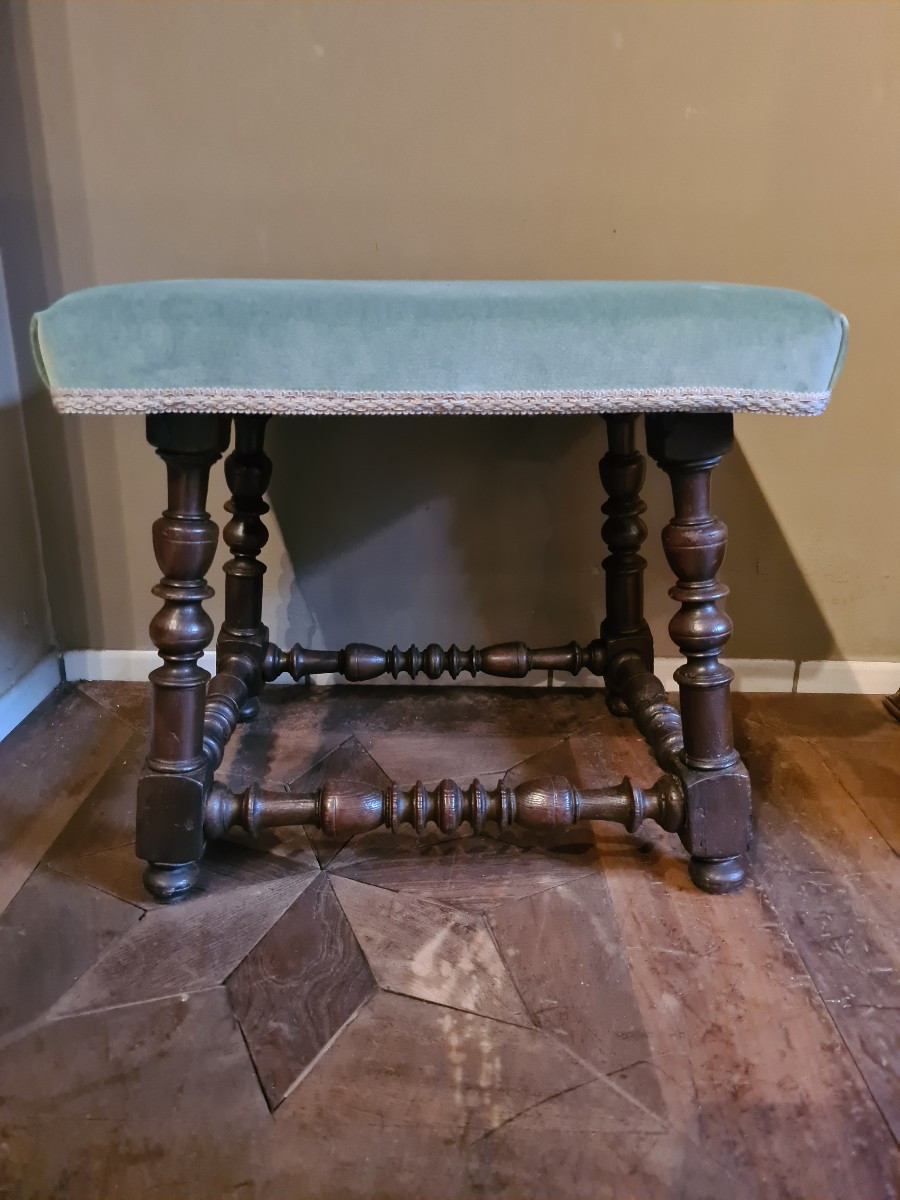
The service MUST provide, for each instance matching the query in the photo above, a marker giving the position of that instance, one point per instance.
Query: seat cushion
(395, 347)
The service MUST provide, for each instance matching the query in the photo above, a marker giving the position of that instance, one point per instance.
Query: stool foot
(249, 710)
(617, 705)
(718, 875)
(170, 881)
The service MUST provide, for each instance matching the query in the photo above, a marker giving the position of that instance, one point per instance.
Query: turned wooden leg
(174, 783)
(248, 470)
(716, 782)
(622, 471)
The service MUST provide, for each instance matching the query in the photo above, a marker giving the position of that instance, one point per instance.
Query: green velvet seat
(394, 347)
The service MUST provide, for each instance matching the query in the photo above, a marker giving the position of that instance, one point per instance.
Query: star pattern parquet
(506, 1015)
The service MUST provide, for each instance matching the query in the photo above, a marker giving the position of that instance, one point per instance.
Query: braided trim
(110, 401)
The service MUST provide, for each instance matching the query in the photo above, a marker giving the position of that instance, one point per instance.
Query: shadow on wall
(34, 280)
(489, 529)
(395, 530)
(774, 612)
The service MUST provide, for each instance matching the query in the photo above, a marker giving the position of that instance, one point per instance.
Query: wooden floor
(487, 1017)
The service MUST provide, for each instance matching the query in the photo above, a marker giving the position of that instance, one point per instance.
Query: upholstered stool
(199, 357)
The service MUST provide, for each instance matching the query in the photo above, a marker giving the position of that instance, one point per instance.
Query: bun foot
(718, 875)
(170, 881)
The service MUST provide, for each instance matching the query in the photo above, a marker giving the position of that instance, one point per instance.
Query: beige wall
(756, 142)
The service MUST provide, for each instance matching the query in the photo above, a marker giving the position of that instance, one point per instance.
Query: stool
(200, 357)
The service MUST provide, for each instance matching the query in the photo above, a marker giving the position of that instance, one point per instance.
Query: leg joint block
(717, 803)
(170, 816)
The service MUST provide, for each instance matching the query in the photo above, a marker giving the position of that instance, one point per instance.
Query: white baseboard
(750, 674)
(127, 666)
(27, 693)
(850, 677)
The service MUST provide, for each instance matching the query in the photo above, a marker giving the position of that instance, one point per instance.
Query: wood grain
(435, 733)
(735, 1026)
(479, 1108)
(394, 1107)
(290, 842)
(298, 726)
(349, 761)
(688, 1046)
(151, 1100)
(429, 952)
(495, 712)
(183, 948)
(869, 773)
(807, 715)
(128, 701)
(593, 760)
(105, 819)
(583, 1143)
(835, 883)
(471, 873)
(295, 728)
(225, 868)
(748, 1062)
(565, 953)
(298, 987)
(48, 764)
(52, 932)
(432, 756)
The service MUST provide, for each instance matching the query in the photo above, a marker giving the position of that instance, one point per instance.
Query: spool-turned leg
(717, 785)
(174, 783)
(622, 471)
(248, 470)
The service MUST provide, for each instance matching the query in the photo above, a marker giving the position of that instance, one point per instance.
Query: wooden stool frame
(703, 794)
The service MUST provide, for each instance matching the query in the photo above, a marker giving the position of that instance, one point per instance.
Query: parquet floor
(450, 1018)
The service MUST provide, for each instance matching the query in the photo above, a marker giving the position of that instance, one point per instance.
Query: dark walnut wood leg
(243, 636)
(173, 786)
(716, 782)
(624, 629)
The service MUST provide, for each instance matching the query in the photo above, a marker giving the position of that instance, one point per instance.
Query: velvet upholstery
(311, 346)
